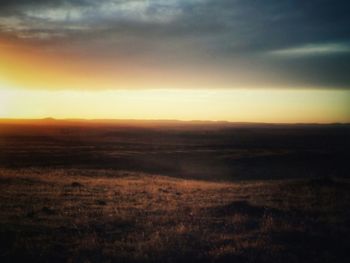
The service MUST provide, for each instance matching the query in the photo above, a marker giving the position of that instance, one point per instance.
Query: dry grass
(51, 215)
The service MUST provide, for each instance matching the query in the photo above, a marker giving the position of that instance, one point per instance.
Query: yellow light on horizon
(239, 105)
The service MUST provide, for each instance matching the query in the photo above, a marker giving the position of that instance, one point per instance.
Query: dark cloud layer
(307, 42)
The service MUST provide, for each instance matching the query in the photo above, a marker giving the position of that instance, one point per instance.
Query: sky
(236, 60)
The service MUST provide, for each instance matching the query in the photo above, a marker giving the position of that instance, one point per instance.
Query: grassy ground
(67, 215)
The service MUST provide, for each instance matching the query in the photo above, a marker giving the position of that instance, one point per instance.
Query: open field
(103, 216)
(212, 151)
(170, 192)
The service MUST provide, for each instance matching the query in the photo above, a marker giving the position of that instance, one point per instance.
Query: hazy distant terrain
(75, 191)
(214, 151)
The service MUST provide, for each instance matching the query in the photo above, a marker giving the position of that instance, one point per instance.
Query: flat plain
(164, 191)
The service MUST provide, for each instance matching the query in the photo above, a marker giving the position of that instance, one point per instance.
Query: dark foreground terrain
(173, 192)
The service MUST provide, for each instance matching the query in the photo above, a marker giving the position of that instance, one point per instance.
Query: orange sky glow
(35, 83)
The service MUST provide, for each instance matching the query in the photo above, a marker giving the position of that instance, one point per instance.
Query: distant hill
(157, 123)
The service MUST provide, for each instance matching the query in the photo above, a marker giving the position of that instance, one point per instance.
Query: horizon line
(101, 120)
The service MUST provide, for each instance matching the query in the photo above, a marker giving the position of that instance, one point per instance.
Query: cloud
(235, 26)
(313, 50)
(224, 33)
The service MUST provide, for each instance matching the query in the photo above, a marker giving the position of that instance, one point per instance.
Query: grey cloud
(248, 31)
(258, 24)
(322, 49)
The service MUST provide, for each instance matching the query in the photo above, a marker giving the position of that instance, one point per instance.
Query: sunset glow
(232, 105)
(194, 60)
